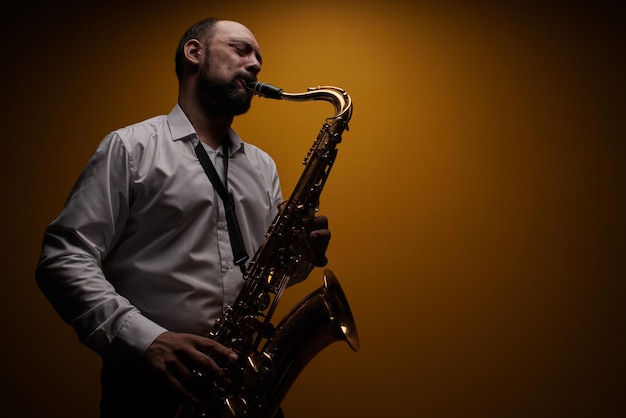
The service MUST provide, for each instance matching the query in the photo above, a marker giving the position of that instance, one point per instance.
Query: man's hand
(312, 247)
(316, 243)
(185, 361)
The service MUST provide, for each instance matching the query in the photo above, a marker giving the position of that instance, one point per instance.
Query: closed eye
(245, 48)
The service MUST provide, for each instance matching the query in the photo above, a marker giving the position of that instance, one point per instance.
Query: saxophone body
(271, 357)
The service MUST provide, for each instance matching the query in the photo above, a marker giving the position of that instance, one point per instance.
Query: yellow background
(477, 202)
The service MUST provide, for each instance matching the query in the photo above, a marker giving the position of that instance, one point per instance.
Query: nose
(254, 64)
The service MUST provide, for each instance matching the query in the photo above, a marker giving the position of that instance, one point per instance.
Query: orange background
(477, 202)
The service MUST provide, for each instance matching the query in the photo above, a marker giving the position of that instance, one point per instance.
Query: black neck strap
(240, 256)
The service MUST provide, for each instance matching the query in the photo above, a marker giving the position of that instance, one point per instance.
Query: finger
(212, 359)
(214, 349)
(181, 380)
(318, 222)
(318, 244)
(205, 365)
(172, 357)
(199, 374)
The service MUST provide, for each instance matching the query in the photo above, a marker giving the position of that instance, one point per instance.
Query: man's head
(216, 59)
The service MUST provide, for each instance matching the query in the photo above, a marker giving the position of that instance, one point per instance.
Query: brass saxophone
(271, 357)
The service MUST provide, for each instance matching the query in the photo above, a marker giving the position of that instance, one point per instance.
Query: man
(140, 261)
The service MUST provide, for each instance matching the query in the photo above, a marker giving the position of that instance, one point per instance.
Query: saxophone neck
(338, 97)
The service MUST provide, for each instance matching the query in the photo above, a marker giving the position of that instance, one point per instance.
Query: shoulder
(258, 157)
(139, 138)
(141, 133)
(253, 151)
(133, 144)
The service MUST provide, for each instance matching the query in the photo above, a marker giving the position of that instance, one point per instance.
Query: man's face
(231, 62)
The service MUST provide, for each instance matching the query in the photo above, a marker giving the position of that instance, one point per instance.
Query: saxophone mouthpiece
(266, 90)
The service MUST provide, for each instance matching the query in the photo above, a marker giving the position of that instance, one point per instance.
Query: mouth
(244, 82)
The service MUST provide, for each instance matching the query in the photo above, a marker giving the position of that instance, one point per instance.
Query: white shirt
(142, 243)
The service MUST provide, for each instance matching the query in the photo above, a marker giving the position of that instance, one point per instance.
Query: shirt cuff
(137, 333)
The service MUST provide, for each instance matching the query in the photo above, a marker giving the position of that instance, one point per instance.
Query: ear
(193, 51)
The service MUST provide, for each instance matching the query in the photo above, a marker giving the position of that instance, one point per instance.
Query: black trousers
(127, 393)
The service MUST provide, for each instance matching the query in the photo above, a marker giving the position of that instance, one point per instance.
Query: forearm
(73, 282)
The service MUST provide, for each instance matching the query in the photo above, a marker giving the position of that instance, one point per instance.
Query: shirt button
(222, 225)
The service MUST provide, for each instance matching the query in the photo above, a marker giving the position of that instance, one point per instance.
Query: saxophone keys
(262, 301)
(260, 368)
(237, 406)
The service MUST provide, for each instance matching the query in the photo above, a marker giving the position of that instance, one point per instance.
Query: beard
(223, 97)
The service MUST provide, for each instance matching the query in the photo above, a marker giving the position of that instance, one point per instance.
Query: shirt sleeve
(69, 272)
(276, 192)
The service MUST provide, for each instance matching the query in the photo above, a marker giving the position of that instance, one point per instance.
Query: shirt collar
(182, 129)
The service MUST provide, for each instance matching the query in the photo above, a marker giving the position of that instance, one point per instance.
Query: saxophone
(271, 357)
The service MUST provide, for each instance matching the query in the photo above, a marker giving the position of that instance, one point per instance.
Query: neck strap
(240, 256)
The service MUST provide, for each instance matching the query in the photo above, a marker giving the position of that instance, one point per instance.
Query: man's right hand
(178, 359)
